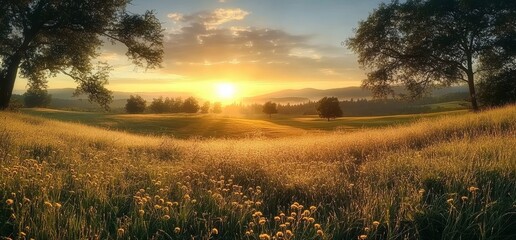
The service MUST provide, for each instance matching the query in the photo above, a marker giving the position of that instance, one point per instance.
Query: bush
(135, 104)
(35, 97)
(498, 90)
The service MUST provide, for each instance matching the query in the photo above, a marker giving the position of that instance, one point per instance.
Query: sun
(225, 90)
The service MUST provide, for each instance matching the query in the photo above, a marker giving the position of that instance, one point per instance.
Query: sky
(254, 46)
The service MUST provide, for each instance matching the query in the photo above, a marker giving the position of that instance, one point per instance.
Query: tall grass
(448, 178)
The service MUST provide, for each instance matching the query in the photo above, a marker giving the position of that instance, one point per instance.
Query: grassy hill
(449, 177)
(223, 126)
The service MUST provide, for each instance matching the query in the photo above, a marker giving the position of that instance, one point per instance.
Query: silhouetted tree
(270, 108)
(217, 107)
(135, 104)
(159, 106)
(498, 90)
(36, 97)
(42, 38)
(424, 43)
(328, 107)
(190, 105)
(174, 105)
(205, 107)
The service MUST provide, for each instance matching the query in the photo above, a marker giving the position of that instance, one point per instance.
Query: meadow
(444, 177)
(185, 126)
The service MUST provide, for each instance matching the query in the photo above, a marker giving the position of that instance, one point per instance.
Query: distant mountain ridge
(67, 93)
(345, 93)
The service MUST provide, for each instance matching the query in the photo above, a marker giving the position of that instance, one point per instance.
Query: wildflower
(366, 229)
(194, 201)
(161, 201)
(9, 202)
(320, 232)
(186, 197)
(22, 234)
(289, 234)
(294, 206)
(290, 219)
(262, 221)
(313, 208)
(279, 235)
(311, 220)
(166, 217)
(141, 212)
(214, 231)
(362, 237)
(376, 223)
(247, 233)
(464, 198)
(449, 201)
(306, 213)
(48, 204)
(258, 203)
(277, 219)
(264, 236)
(283, 226)
(282, 215)
(26, 200)
(317, 226)
(157, 207)
(421, 191)
(169, 204)
(120, 232)
(258, 214)
(57, 205)
(473, 189)
(177, 230)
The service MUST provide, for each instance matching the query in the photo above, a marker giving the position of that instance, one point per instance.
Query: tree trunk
(471, 82)
(472, 92)
(7, 79)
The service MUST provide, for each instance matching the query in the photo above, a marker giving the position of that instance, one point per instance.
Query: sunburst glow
(225, 91)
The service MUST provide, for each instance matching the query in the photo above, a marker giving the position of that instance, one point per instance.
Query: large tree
(427, 43)
(329, 107)
(43, 38)
(270, 108)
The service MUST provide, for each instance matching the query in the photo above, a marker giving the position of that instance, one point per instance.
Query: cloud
(204, 48)
(211, 19)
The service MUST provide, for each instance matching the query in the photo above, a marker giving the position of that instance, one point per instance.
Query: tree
(427, 43)
(135, 104)
(159, 106)
(205, 107)
(174, 105)
(217, 107)
(190, 105)
(36, 97)
(270, 108)
(328, 107)
(498, 90)
(43, 38)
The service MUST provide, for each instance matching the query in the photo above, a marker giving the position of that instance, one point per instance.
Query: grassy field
(449, 177)
(223, 126)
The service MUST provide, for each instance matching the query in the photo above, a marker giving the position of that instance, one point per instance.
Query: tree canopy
(191, 105)
(427, 43)
(329, 107)
(270, 108)
(135, 104)
(43, 38)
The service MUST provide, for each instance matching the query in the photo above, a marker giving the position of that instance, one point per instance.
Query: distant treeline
(360, 107)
